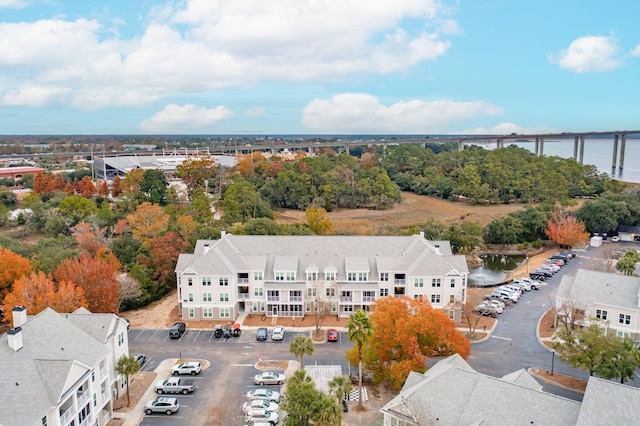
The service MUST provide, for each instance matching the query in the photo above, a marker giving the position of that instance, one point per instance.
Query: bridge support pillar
(581, 157)
(310, 151)
(537, 147)
(541, 147)
(623, 144)
(460, 146)
(614, 159)
(575, 148)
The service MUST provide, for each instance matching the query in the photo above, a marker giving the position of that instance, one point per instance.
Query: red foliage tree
(406, 332)
(116, 189)
(86, 187)
(96, 277)
(42, 183)
(12, 267)
(88, 238)
(58, 183)
(37, 291)
(102, 189)
(164, 255)
(565, 230)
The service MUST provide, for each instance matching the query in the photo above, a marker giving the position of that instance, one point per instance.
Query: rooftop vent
(19, 315)
(14, 338)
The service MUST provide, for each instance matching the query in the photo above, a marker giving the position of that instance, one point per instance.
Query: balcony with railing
(400, 281)
(346, 299)
(67, 416)
(243, 296)
(368, 299)
(103, 372)
(242, 280)
(295, 298)
(273, 298)
(83, 397)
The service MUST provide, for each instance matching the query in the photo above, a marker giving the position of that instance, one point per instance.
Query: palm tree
(339, 386)
(329, 413)
(359, 329)
(127, 366)
(300, 346)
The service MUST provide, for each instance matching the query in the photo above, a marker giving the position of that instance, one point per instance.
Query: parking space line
(500, 337)
(154, 333)
(196, 338)
(139, 334)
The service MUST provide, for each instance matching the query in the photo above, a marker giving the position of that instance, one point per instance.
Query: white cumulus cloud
(635, 51)
(199, 46)
(31, 95)
(185, 119)
(589, 54)
(507, 129)
(363, 113)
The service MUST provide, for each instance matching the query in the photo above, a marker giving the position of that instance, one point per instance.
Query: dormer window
(312, 276)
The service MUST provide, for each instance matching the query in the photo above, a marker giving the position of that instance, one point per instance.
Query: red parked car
(332, 335)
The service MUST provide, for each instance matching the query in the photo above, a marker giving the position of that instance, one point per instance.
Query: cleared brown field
(412, 210)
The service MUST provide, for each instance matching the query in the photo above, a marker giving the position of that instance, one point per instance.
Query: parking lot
(231, 367)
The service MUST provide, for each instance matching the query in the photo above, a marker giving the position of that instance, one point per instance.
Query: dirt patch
(413, 209)
(139, 384)
(272, 365)
(563, 380)
(547, 328)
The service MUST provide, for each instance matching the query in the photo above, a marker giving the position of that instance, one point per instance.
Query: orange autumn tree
(565, 230)
(97, 278)
(37, 292)
(12, 267)
(148, 221)
(406, 332)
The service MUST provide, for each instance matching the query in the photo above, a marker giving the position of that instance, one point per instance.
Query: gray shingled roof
(608, 403)
(32, 378)
(589, 287)
(409, 254)
(452, 393)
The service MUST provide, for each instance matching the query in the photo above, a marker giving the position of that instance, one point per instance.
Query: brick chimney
(14, 338)
(19, 315)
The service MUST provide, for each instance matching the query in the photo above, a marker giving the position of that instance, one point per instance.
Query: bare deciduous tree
(129, 288)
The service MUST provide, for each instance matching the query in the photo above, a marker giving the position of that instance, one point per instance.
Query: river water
(598, 152)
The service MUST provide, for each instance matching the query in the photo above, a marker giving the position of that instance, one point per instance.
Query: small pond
(495, 269)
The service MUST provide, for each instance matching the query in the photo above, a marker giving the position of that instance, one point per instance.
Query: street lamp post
(553, 357)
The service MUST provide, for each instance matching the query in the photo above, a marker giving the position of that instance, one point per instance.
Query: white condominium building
(298, 275)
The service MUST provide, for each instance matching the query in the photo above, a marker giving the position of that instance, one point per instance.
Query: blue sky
(318, 66)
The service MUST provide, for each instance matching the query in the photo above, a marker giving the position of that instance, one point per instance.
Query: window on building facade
(291, 276)
(254, 307)
(418, 282)
(435, 298)
(223, 281)
(258, 291)
(351, 276)
(192, 313)
(452, 299)
(453, 282)
(417, 296)
(207, 312)
(330, 276)
(189, 281)
(44, 421)
(190, 297)
(225, 313)
(601, 314)
(206, 281)
(450, 312)
(206, 297)
(622, 334)
(261, 306)
(625, 319)
(347, 308)
(257, 276)
(312, 276)
(311, 291)
(121, 338)
(224, 297)
(384, 276)
(384, 292)
(330, 292)
(279, 276)
(436, 282)
(362, 276)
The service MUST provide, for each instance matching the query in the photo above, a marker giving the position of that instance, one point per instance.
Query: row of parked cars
(552, 265)
(173, 385)
(261, 407)
(495, 302)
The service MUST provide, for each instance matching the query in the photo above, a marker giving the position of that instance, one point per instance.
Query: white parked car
(497, 305)
(265, 394)
(615, 239)
(258, 415)
(278, 334)
(259, 404)
(269, 378)
(192, 368)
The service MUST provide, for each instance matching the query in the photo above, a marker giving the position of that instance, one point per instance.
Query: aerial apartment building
(291, 276)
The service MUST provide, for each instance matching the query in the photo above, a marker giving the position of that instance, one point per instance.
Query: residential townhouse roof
(609, 403)
(452, 393)
(33, 378)
(412, 255)
(589, 287)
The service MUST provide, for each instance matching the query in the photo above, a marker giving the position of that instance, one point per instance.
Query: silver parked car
(266, 394)
(162, 404)
(259, 415)
(269, 378)
(259, 404)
